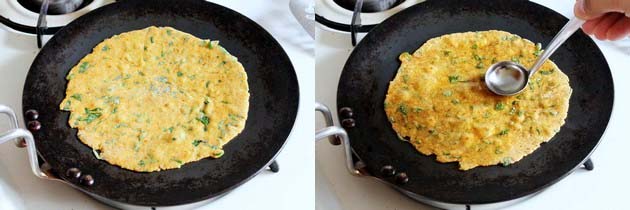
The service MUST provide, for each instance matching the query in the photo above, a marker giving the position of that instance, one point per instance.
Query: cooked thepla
(157, 98)
(439, 103)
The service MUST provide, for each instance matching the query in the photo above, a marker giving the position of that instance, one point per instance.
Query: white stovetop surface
(292, 188)
(603, 188)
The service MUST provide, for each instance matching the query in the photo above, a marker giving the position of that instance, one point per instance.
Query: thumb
(590, 9)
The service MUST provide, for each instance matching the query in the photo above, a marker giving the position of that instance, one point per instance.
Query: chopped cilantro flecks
(447, 53)
(455, 101)
(136, 146)
(66, 107)
(76, 96)
(547, 72)
(168, 32)
(479, 65)
(204, 120)
(235, 116)
(83, 67)
(402, 109)
(453, 79)
(447, 93)
(499, 106)
(179, 74)
(151, 39)
(506, 161)
(504, 132)
(91, 115)
(141, 163)
(405, 78)
(197, 142)
(538, 50)
(221, 127)
(105, 48)
(513, 110)
(178, 161)
(474, 46)
(516, 60)
(218, 153)
(210, 45)
(142, 135)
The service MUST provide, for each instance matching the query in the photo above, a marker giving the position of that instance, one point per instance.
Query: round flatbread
(157, 98)
(438, 100)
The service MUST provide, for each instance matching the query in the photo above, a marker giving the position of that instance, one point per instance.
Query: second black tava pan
(374, 63)
(273, 102)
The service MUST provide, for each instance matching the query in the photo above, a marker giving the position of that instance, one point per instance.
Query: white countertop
(292, 188)
(603, 188)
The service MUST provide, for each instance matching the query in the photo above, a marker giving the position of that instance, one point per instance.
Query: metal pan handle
(19, 142)
(17, 134)
(337, 135)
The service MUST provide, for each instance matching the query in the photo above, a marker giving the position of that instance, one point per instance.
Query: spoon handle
(573, 25)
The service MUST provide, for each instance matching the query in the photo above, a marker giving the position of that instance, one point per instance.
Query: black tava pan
(374, 63)
(272, 110)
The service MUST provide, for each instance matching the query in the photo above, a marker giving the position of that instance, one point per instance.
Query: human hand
(606, 19)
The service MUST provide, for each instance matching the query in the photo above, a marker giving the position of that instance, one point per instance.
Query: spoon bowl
(506, 78)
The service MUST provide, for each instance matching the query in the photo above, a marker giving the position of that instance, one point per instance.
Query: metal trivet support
(588, 164)
(356, 21)
(274, 167)
(41, 23)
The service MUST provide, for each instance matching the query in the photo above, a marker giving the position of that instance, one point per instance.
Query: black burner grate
(55, 9)
(369, 5)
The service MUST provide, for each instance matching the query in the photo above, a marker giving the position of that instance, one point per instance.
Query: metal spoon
(508, 78)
